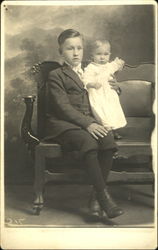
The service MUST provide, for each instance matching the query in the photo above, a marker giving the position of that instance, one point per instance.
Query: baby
(104, 100)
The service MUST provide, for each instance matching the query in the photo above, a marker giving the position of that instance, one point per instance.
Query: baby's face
(101, 55)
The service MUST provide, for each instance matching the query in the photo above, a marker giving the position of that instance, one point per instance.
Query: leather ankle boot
(94, 206)
(108, 205)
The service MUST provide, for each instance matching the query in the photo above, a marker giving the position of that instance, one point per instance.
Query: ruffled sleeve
(115, 65)
(89, 75)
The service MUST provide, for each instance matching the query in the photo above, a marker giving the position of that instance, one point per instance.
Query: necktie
(79, 72)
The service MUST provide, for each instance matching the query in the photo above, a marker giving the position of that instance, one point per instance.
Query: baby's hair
(98, 43)
(69, 33)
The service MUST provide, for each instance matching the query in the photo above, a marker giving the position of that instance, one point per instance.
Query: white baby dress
(104, 101)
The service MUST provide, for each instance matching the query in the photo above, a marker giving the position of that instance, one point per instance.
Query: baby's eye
(79, 48)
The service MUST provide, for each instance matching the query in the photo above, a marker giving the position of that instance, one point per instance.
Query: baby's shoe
(117, 136)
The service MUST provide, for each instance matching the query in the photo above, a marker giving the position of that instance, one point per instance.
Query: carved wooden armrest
(26, 131)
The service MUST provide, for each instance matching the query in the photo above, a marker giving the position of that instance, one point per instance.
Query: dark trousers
(96, 154)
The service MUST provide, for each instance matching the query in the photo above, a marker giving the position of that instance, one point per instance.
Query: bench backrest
(137, 84)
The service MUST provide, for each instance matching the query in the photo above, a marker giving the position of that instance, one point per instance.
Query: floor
(67, 206)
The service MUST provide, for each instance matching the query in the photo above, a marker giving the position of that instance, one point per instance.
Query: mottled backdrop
(31, 36)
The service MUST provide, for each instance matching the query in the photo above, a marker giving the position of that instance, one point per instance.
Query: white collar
(75, 68)
(100, 65)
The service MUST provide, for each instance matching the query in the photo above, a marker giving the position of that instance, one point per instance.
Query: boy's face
(72, 50)
(101, 55)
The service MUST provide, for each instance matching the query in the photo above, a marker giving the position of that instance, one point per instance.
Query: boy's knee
(89, 143)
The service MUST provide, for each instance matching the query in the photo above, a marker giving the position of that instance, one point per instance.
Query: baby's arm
(95, 85)
(116, 65)
(89, 79)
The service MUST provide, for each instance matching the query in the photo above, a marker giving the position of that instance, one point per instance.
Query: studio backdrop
(31, 37)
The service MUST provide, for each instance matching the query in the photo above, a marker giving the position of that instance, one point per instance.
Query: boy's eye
(71, 48)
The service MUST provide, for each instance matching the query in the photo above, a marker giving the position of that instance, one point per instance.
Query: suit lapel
(69, 72)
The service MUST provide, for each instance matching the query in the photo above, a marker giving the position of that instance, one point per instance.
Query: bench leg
(39, 180)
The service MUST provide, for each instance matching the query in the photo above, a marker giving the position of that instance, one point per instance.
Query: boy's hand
(113, 84)
(97, 130)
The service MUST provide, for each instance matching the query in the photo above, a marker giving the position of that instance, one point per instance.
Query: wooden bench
(135, 162)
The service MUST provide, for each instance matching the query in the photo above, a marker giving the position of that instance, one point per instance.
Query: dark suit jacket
(67, 102)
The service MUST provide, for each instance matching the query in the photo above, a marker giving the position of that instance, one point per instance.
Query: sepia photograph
(78, 124)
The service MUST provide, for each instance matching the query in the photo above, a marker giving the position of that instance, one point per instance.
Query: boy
(70, 121)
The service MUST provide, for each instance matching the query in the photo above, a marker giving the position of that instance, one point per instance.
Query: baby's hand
(97, 85)
(120, 63)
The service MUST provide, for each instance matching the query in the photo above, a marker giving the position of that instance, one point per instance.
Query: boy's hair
(69, 33)
(97, 43)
